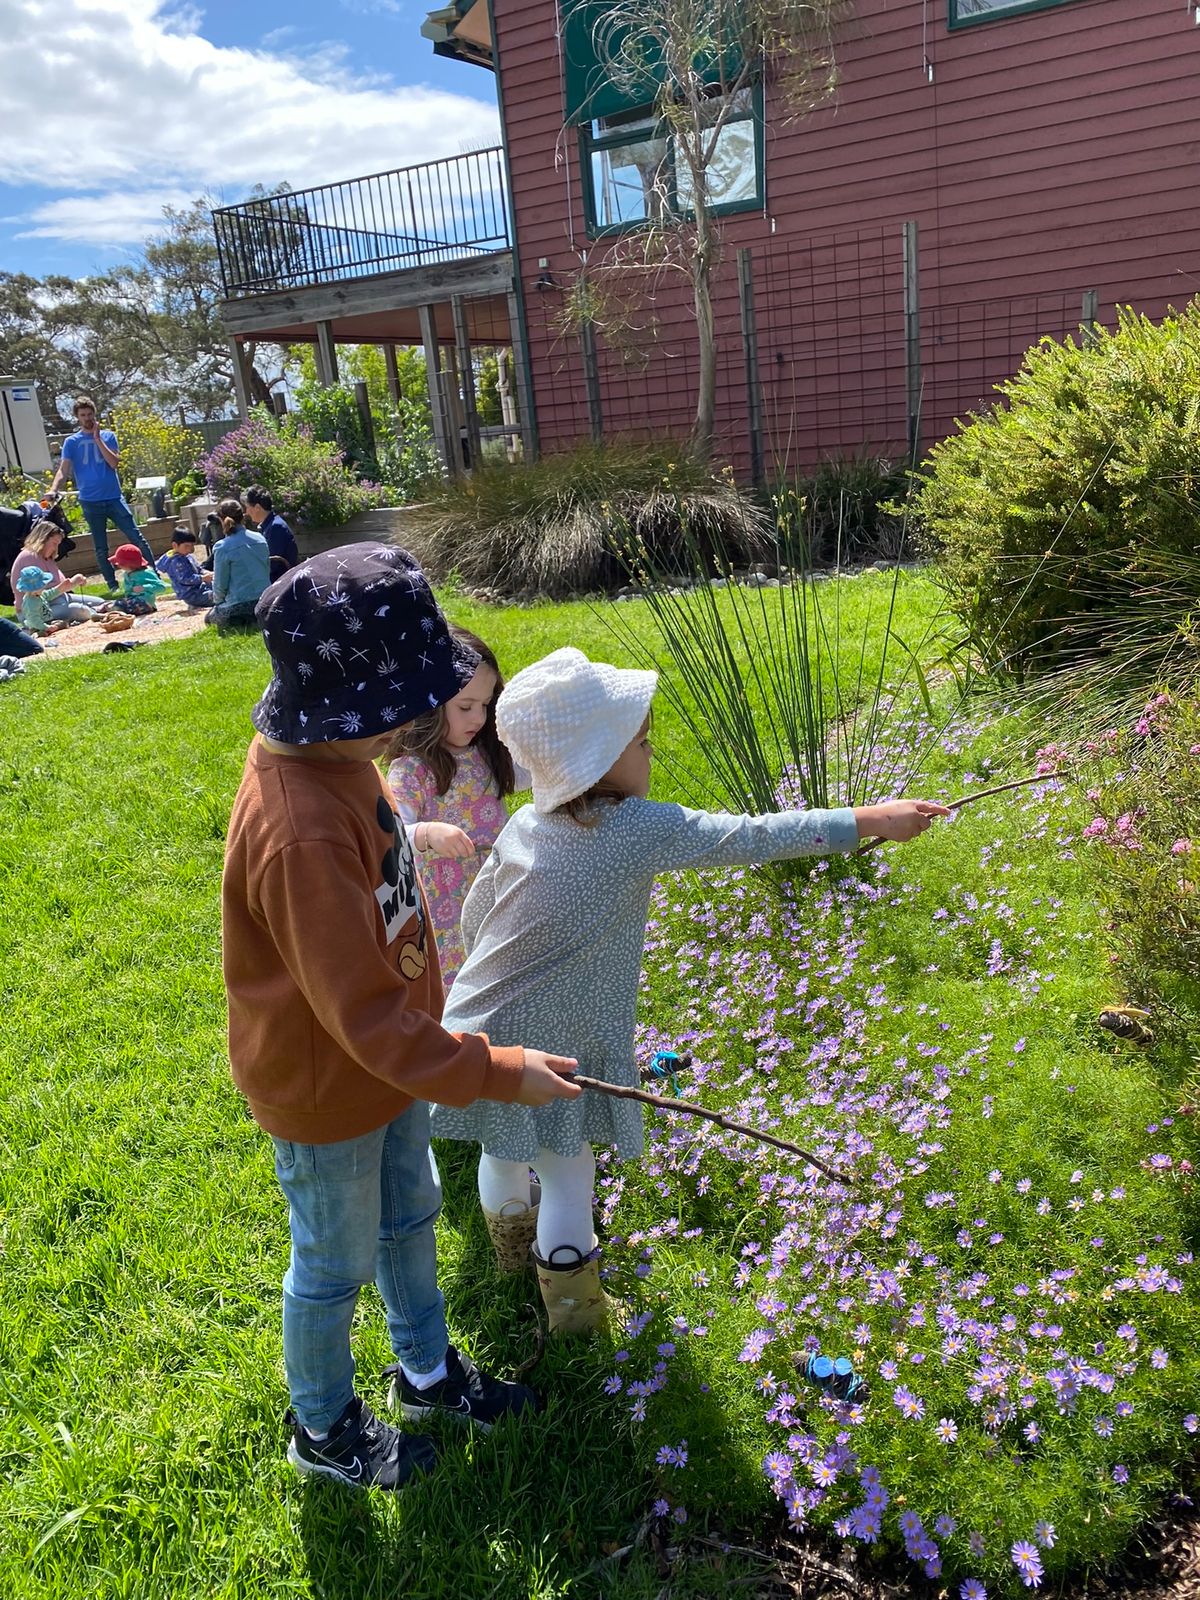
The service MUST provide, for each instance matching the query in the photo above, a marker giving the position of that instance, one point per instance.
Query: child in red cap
(140, 584)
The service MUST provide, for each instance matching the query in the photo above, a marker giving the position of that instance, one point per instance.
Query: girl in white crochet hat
(554, 928)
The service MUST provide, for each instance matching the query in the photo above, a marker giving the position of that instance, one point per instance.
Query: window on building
(635, 174)
(963, 12)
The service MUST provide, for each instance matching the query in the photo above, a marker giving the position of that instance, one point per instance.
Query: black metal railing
(411, 217)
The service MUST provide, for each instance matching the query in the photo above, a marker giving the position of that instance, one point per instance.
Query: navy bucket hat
(358, 646)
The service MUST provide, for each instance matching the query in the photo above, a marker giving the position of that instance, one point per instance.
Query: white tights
(565, 1214)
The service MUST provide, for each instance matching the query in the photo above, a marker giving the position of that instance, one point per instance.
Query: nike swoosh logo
(354, 1470)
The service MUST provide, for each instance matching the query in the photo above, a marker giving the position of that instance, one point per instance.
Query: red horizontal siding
(1053, 152)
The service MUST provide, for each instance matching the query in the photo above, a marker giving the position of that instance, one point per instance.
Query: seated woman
(39, 550)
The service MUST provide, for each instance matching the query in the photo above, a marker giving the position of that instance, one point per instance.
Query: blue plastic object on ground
(836, 1377)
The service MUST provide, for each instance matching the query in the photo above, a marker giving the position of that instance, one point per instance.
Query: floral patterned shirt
(470, 803)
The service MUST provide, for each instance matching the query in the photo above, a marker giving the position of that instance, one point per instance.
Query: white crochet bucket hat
(567, 719)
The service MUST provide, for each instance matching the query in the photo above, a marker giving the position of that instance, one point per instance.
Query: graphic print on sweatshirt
(398, 896)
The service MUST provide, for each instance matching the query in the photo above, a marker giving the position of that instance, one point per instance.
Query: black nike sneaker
(464, 1392)
(361, 1450)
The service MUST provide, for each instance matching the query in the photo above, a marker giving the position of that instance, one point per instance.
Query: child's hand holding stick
(893, 813)
(689, 1108)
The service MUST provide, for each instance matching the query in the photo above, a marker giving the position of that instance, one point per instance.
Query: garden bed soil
(172, 620)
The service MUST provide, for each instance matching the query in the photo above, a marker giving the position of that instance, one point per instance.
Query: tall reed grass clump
(786, 685)
(546, 527)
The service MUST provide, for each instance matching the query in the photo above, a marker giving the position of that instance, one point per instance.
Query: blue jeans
(360, 1209)
(74, 607)
(98, 514)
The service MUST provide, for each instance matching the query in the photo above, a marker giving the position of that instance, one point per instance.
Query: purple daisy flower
(1027, 1562)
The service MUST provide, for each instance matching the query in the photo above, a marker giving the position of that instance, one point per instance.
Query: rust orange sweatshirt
(330, 965)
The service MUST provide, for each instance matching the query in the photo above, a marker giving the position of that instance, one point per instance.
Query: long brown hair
(232, 514)
(40, 534)
(425, 736)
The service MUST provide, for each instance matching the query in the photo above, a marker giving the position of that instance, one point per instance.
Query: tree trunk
(706, 338)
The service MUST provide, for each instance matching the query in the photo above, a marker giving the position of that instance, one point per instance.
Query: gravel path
(172, 620)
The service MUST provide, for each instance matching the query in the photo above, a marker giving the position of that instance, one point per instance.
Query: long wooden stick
(968, 799)
(691, 1109)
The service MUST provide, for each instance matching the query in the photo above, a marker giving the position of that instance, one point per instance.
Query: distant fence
(212, 432)
(823, 349)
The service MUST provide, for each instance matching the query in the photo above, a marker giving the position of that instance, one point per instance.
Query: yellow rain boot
(512, 1229)
(571, 1291)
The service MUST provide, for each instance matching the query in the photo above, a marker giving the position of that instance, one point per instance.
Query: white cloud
(125, 217)
(124, 106)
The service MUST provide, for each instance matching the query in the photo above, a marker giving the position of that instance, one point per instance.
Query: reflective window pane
(629, 182)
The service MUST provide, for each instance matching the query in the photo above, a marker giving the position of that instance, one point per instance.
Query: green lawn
(926, 1023)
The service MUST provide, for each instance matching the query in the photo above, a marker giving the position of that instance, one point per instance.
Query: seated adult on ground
(241, 571)
(281, 542)
(15, 641)
(191, 584)
(15, 525)
(39, 550)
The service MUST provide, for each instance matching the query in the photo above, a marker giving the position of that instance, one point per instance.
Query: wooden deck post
(1089, 315)
(912, 339)
(745, 267)
(393, 373)
(591, 378)
(462, 339)
(437, 396)
(327, 364)
(241, 378)
(516, 333)
(363, 402)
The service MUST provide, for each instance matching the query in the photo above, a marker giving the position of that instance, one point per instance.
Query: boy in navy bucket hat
(335, 1000)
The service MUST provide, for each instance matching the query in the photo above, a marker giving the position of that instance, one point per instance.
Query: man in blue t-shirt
(91, 456)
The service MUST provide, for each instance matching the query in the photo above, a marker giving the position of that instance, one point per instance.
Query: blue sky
(113, 108)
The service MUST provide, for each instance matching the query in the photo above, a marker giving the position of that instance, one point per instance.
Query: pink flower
(1181, 847)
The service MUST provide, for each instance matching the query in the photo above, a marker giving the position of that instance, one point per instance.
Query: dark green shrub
(1043, 508)
(550, 526)
(852, 511)
(332, 415)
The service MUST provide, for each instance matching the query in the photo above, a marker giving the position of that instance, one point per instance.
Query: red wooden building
(989, 171)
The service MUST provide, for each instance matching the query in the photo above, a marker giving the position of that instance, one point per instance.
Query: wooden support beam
(462, 340)
(1089, 315)
(327, 366)
(591, 378)
(520, 350)
(437, 393)
(393, 373)
(363, 403)
(912, 338)
(241, 378)
(476, 278)
(745, 268)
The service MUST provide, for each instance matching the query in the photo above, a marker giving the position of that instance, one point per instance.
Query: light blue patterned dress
(554, 927)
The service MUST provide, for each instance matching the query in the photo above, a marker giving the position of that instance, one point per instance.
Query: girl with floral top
(449, 775)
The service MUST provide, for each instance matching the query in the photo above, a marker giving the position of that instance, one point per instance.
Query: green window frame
(970, 13)
(611, 185)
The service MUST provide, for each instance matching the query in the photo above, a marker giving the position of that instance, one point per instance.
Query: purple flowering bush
(1006, 1269)
(308, 480)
